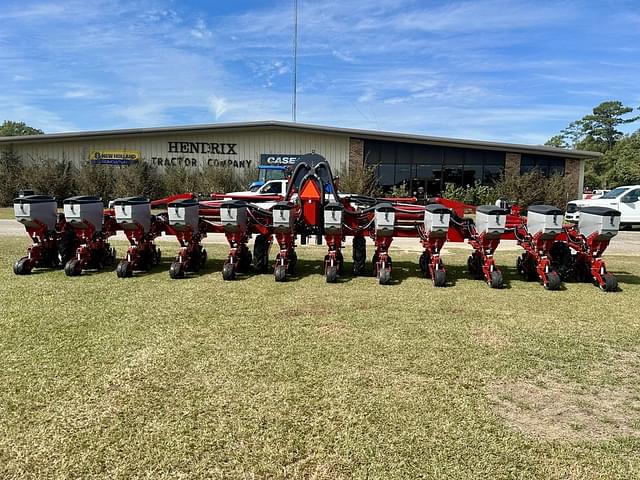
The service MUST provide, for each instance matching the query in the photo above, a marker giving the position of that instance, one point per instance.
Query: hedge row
(526, 189)
(62, 179)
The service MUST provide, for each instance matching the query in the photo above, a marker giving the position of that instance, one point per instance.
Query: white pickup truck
(272, 187)
(625, 199)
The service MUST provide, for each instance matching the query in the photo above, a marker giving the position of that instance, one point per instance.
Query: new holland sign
(114, 157)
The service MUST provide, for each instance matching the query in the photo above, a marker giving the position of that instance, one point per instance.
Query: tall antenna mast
(295, 59)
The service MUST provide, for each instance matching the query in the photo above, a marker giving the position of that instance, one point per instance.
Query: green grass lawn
(154, 378)
(6, 213)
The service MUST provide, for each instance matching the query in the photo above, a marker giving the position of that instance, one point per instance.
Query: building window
(545, 164)
(427, 168)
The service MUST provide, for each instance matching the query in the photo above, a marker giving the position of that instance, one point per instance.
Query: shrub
(217, 179)
(97, 180)
(11, 177)
(361, 179)
(533, 187)
(50, 176)
(472, 195)
(140, 178)
(398, 191)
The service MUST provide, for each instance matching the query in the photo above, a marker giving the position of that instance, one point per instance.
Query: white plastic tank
(183, 214)
(132, 212)
(491, 220)
(436, 220)
(283, 219)
(33, 210)
(385, 219)
(333, 215)
(544, 220)
(82, 211)
(233, 215)
(602, 222)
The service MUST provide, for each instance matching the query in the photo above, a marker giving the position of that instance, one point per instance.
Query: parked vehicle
(594, 194)
(625, 199)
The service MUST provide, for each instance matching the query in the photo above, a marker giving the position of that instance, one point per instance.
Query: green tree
(625, 157)
(13, 129)
(597, 132)
(602, 124)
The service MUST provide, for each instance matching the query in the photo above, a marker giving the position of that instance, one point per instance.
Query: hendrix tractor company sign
(201, 154)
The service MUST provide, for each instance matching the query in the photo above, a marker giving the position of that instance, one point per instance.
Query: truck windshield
(269, 174)
(615, 193)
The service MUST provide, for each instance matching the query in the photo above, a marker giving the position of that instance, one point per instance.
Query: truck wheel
(22, 266)
(228, 272)
(261, 254)
(123, 270)
(72, 268)
(176, 270)
(439, 278)
(359, 255)
(610, 283)
(280, 273)
(553, 281)
(496, 279)
(332, 274)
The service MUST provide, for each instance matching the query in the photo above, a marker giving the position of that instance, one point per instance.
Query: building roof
(303, 127)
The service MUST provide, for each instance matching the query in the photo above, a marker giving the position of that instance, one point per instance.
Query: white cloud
(218, 106)
(200, 30)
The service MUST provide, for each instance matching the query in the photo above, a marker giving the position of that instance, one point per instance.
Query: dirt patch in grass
(311, 310)
(490, 337)
(552, 409)
(332, 329)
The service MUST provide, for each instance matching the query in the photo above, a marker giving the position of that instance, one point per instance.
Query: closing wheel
(72, 268)
(203, 258)
(439, 278)
(496, 279)
(228, 272)
(553, 281)
(22, 266)
(610, 283)
(124, 269)
(384, 278)
(359, 255)
(474, 267)
(280, 273)
(293, 261)
(110, 257)
(261, 254)
(245, 261)
(470, 265)
(176, 270)
(332, 274)
(424, 263)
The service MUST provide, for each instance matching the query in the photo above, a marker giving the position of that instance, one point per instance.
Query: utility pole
(295, 60)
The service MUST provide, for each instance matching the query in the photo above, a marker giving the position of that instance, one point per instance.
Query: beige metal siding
(249, 147)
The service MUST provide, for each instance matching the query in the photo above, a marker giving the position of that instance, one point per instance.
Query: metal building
(413, 161)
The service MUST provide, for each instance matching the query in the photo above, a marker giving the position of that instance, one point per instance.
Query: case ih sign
(279, 159)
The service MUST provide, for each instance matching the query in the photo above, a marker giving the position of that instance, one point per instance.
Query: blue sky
(492, 70)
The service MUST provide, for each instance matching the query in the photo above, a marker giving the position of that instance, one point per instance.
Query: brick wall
(356, 151)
